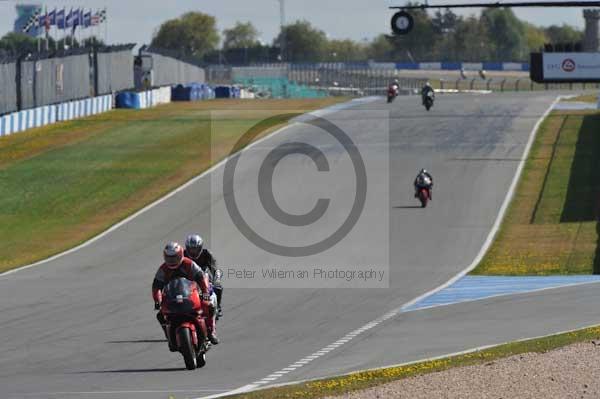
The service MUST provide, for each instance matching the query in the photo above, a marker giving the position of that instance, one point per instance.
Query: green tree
(506, 34)
(193, 34)
(469, 42)
(345, 50)
(445, 22)
(242, 35)
(563, 34)
(419, 43)
(535, 37)
(380, 49)
(302, 42)
(18, 43)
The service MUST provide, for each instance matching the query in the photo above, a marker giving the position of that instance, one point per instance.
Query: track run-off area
(82, 324)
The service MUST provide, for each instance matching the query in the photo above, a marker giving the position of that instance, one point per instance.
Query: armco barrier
(472, 66)
(455, 66)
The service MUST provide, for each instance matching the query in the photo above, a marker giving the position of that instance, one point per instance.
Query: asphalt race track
(83, 326)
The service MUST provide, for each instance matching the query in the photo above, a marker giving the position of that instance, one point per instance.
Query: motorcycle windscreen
(180, 295)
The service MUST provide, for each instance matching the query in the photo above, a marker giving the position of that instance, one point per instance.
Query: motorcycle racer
(177, 265)
(423, 179)
(194, 249)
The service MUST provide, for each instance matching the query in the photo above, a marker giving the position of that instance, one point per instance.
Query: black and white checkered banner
(33, 20)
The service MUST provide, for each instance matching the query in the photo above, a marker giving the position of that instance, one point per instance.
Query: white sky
(136, 20)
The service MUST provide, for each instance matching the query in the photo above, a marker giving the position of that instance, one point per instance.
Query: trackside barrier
(144, 99)
(467, 66)
(162, 95)
(49, 114)
(23, 120)
(82, 108)
(246, 94)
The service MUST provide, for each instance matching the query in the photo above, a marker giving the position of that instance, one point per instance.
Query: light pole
(282, 44)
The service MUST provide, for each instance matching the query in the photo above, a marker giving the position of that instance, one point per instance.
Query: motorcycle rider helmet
(396, 81)
(423, 172)
(173, 255)
(194, 244)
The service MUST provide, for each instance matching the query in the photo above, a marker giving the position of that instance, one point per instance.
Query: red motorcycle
(392, 93)
(186, 328)
(423, 184)
(424, 196)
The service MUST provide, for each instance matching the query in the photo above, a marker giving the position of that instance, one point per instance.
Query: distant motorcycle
(424, 190)
(392, 93)
(423, 196)
(428, 100)
(186, 331)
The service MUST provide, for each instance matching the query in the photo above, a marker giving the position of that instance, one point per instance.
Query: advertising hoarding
(571, 67)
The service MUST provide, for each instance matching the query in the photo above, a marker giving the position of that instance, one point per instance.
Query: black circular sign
(402, 23)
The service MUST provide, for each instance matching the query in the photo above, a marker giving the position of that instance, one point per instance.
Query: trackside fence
(113, 69)
(31, 81)
(160, 67)
(8, 85)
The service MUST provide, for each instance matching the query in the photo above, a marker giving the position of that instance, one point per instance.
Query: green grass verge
(64, 183)
(366, 379)
(552, 224)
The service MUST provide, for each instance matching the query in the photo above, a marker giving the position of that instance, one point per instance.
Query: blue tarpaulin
(227, 92)
(128, 99)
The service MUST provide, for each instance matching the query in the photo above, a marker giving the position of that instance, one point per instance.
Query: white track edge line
(503, 208)
(464, 352)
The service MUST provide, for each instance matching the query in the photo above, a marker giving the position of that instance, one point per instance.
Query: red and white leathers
(190, 270)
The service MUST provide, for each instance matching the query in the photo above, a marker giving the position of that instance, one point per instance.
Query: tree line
(495, 35)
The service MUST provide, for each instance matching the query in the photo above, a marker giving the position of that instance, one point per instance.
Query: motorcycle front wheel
(423, 197)
(186, 347)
